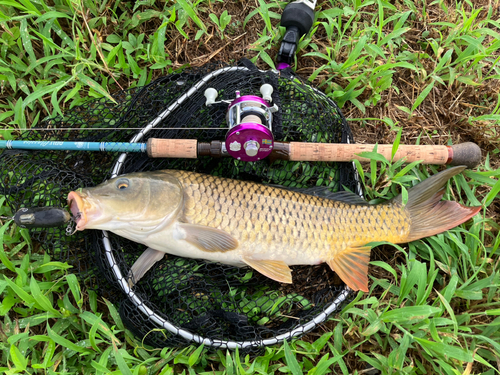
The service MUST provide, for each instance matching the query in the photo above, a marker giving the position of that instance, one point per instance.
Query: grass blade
(422, 96)
(65, 343)
(188, 8)
(94, 85)
(291, 361)
(409, 313)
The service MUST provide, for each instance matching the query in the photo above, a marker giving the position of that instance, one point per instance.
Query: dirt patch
(442, 116)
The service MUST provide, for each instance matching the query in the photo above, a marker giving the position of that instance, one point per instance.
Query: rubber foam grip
(468, 154)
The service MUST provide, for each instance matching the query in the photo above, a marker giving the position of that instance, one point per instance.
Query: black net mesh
(217, 302)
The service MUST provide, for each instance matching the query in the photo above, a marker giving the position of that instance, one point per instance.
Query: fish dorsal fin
(325, 192)
(347, 197)
(208, 238)
(351, 265)
(274, 269)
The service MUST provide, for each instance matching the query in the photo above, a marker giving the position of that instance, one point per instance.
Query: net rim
(152, 315)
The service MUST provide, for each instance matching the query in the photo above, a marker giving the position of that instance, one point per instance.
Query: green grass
(433, 305)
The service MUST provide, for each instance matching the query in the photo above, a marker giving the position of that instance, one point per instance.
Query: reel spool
(250, 118)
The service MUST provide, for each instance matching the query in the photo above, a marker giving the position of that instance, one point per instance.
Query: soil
(442, 116)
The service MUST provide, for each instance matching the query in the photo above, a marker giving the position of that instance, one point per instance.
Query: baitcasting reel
(249, 117)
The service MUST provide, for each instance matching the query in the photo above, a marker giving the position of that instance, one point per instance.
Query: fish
(264, 227)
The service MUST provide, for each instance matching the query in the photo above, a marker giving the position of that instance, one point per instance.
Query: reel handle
(468, 153)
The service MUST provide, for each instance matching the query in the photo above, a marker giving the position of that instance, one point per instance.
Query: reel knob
(267, 90)
(211, 95)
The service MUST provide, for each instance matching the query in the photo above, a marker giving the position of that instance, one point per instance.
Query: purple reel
(249, 141)
(249, 117)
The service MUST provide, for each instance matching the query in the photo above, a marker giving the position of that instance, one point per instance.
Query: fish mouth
(77, 208)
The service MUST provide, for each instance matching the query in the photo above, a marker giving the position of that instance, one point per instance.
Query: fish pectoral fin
(274, 269)
(208, 238)
(143, 264)
(351, 265)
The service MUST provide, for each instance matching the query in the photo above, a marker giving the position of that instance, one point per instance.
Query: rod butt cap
(468, 154)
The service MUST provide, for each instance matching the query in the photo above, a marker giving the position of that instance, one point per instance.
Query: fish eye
(122, 183)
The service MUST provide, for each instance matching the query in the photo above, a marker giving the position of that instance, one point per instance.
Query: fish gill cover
(211, 301)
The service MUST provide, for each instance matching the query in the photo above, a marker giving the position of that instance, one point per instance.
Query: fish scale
(284, 223)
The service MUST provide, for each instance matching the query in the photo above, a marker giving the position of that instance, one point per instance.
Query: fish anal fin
(351, 265)
(274, 269)
(142, 265)
(208, 238)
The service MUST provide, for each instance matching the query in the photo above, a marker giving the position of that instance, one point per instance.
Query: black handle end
(468, 154)
(299, 15)
(298, 18)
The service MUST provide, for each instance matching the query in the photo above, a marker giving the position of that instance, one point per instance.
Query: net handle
(468, 153)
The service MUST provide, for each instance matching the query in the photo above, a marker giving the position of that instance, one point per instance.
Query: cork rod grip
(172, 148)
(347, 152)
(468, 153)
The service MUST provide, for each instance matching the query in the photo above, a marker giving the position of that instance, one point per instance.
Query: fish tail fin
(428, 214)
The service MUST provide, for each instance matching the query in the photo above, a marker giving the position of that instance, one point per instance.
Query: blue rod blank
(74, 146)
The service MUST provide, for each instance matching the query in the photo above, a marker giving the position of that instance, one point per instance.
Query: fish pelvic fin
(428, 214)
(142, 265)
(274, 269)
(351, 265)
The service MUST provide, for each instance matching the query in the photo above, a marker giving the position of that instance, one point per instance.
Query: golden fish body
(278, 224)
(267, 228)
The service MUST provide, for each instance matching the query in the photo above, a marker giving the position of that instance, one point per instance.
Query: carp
(264, 227)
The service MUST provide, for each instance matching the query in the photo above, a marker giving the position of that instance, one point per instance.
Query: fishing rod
(250, 138)
(468, 153)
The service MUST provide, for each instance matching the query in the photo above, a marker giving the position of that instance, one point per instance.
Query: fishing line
(103, 129)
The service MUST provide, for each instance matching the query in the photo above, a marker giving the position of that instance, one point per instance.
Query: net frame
(142, 305)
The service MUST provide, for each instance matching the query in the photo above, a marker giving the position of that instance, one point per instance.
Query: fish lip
(76, 206)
